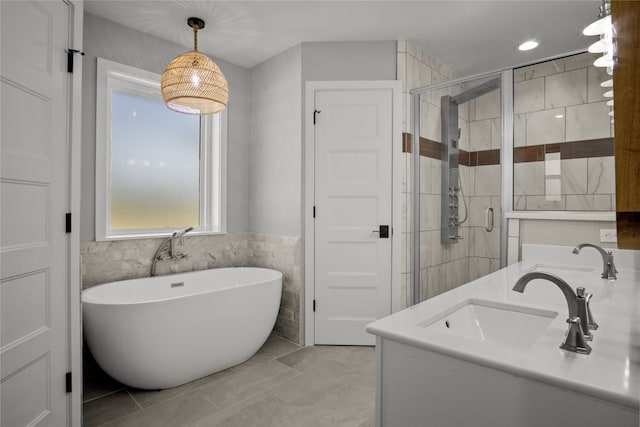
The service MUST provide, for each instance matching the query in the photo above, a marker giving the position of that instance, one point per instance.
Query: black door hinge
(70, 53)
(314, 211)
(67, 380)
(314, 305)
(68, 222)
(315, 112)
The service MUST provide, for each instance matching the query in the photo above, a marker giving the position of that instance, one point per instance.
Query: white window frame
(213, 154)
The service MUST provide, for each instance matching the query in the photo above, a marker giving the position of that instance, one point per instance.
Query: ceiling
(468, 36)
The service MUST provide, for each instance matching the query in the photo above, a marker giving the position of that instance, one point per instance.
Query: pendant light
(192, 83)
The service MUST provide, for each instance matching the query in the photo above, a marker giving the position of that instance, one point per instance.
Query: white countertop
(610, 373)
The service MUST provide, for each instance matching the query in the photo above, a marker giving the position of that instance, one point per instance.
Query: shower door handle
(488, 216)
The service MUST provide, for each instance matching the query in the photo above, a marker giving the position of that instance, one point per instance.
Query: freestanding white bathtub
(160, 332)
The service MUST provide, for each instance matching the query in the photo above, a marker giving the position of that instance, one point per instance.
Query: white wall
(109, 40)
(275, 160)
(276, 122)
(349, 61)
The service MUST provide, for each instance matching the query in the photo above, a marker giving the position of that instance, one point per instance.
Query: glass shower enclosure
(458, 145)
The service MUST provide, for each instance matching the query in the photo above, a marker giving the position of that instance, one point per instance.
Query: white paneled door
(34, 197)
(353, 189)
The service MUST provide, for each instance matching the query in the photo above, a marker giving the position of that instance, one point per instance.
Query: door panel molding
(309, 191)
(41, 179)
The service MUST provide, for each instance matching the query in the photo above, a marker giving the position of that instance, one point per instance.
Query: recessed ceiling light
(528, 45)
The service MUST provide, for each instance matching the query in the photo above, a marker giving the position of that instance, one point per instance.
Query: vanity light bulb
(604, 61)
(601, 46)
(598, 27)
(607, 83)
(610, 70)
(610, 103)
(608, 94)
(611, 113)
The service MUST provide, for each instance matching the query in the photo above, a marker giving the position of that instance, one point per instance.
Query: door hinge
(315, 113)
(68, 222)
(67, 380)
(314, 305)
(314, 211)
(70, 53)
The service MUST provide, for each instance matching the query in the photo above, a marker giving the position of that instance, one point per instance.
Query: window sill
(157, 236)
(562, 216)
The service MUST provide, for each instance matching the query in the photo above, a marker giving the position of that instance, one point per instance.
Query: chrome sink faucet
(169, 244)
(576, 340)
(584, 311)
(609, 268)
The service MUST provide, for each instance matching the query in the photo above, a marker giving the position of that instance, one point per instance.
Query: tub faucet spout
(576, 340)
(609, 268)
(177, 235)
(169, 244)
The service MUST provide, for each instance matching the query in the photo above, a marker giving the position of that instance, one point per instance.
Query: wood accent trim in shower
(602, 147)
(487, 157)
(582, 149)
(464, 158)
(534, 153)
(430, 148)
(406, 142)
(568, 150)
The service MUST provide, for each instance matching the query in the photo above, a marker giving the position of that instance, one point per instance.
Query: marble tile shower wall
(556, 102)
(442, 266)
(483, 125)
(104, 262)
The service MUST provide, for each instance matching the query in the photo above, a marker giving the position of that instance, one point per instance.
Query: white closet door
(33, 201)
(353, 188)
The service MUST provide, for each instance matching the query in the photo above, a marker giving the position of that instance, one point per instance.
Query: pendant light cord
(195, 37)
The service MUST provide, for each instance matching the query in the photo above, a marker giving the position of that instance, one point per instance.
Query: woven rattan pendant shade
(193, 84)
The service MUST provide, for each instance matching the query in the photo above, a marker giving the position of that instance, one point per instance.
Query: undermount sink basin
(559, 269)
(506, 325)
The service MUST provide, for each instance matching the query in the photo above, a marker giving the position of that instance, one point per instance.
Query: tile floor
(281, 385)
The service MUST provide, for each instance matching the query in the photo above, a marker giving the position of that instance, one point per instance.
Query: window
(156, 170)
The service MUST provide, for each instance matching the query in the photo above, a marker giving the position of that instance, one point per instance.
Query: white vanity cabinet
(417, 387)
(484, 355)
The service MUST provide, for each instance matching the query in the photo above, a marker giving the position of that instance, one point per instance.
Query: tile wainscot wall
(109, 261)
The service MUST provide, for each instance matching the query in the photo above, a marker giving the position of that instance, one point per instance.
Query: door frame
(309, 191)
(74, 357)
